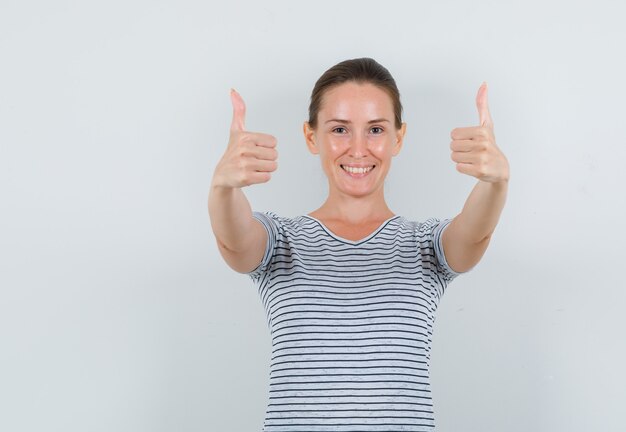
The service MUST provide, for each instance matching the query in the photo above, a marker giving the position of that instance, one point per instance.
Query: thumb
(239, 111)
(483, 106)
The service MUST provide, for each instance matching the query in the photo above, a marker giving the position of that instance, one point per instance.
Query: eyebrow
(379, 120)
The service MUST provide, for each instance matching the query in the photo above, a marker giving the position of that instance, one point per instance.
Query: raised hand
(250, 157)
(474, 148)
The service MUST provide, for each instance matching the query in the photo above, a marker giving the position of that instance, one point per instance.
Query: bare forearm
(482, 210)
(231, 216)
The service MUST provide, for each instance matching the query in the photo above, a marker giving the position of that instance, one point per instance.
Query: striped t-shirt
(351, 324)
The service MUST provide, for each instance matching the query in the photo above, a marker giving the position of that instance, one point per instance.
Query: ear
(399, 139)
(309, 137)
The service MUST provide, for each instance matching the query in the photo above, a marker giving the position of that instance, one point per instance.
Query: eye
(379, 128)
(338, 129)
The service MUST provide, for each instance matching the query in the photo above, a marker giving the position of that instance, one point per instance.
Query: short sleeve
(432, 230)
(272, 224)
(442, 263)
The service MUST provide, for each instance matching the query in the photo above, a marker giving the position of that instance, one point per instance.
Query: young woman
(351, 289)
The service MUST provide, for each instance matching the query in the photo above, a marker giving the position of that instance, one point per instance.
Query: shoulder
(428, 226)
(428, 230)
(416, 226)
(279, 223)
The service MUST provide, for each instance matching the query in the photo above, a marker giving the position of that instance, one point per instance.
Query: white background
(117, 312)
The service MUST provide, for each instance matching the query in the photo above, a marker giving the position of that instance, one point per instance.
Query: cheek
(336, 146)
(381, 148)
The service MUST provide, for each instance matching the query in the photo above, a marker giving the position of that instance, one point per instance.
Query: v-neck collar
(353, 242)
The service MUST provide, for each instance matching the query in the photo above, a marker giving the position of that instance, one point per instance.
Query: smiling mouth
(359, 172)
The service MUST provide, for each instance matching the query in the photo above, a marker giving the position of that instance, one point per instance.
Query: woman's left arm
(474, 149)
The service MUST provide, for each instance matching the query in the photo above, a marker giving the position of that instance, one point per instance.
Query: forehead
(356, 99)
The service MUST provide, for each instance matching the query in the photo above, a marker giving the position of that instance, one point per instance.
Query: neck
(355, 209)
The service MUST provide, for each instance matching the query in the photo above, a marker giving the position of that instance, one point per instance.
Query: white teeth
(357, 170)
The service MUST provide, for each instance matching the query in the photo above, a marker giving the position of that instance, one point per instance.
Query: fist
(250, 157)
(474, 148)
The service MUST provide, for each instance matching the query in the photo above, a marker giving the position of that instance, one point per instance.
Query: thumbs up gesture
(250, 157)
(474, 148)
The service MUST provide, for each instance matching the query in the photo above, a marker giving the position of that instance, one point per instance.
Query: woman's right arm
(241, 239)
(249, 159)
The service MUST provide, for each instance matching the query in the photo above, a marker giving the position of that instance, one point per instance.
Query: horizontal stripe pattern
(351, 324)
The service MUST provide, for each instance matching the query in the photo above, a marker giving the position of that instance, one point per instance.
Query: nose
(358, 145)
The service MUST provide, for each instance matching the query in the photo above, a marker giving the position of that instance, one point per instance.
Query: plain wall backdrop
(117, 312)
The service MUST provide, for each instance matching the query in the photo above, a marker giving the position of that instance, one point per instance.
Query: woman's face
(355, 127)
